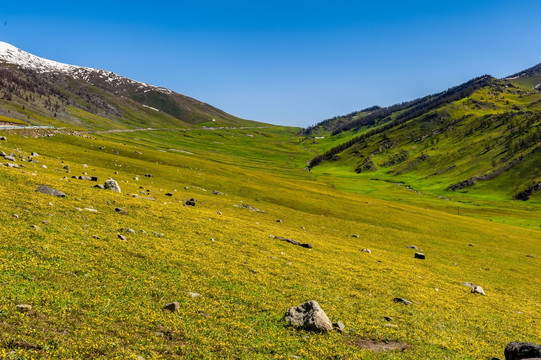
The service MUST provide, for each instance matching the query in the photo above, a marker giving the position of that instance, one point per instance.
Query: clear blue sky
(285, 62)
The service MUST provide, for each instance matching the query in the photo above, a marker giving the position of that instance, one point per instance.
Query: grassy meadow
(95, 296)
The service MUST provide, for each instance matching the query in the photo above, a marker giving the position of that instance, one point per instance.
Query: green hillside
(486, 144)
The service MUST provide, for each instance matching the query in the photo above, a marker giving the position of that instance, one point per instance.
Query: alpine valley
(139, 223)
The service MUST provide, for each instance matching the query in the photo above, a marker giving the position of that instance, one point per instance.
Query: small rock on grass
(121, 237)
(339, 326)
(419, 256)
(24, 308)
(111, 184)
(44, 189)
(309, 316)
(172, 306)
(412, 247)
(366, 251)
(478, 290)
(402, 301)
(193, 294)
(355, 236)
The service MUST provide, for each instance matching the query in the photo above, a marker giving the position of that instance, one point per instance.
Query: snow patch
(150, 107)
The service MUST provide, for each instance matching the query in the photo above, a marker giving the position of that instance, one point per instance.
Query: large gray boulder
(44, 189)
(309, 316)
(518, 351)
(111, 184)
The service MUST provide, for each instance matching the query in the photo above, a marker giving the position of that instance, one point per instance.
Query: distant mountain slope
(530, 78)
(483, 135)
(39, 91)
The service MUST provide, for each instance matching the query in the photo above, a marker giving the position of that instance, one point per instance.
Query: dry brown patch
(377, 345)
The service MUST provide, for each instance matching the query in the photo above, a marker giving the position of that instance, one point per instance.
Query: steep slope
(464, 139)
(39, 91)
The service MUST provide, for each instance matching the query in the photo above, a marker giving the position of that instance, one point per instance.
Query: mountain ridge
(98, 92)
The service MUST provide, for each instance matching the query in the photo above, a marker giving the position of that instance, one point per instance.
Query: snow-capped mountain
(25, 79)
(13, 55)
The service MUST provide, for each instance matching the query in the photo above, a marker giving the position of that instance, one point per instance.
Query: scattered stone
(308, 316)
(477, 290)
(99, 186)
(34, 153)
(143, 231)
(87, 178)
(44, 189)
(122, 237)
(190, 202)
(12, 165)
(468, 284)
(522, 350)
(388, 318)
(148, 175)
(216, 192)
(278, 221)
(470, 244)
(193, 295)
(219, 213)
(93, 178)
(15, 216)
(111, 184)
(44, 166)
(10, 158)
(366, 251)
(419, 256)
(121, 211)
(291, 241)
(24, 308)
(412, 247)
(136, 178)
(392, 326)
(251, 208)
(169, 194)
(355, 236)
(128, 230)
(531, 256)
(172, 306)
(339, 326)
(3, 138)
(96, 237)
(402, 301)
(84, 165)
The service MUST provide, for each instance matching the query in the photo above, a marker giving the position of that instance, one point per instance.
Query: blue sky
(285, 62)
